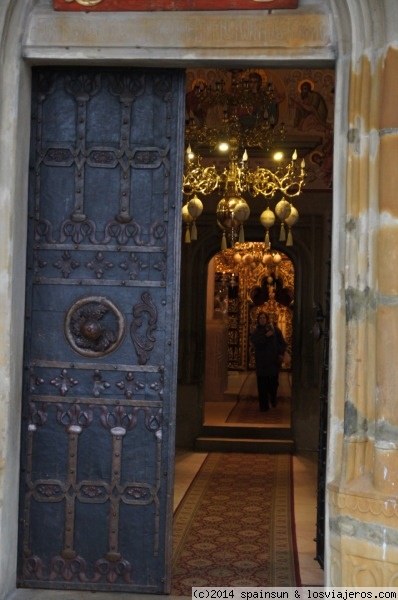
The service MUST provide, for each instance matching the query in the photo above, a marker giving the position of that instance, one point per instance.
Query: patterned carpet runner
(246, 409)
(235, 526)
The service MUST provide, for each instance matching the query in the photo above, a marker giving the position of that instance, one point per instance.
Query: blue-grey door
(101, 329)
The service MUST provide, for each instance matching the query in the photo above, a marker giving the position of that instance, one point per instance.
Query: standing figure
(269, 347)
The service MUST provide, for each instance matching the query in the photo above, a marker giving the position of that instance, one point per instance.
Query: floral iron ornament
(94, 326)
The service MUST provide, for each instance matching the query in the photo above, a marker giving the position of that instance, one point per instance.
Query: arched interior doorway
(312, 137)
(242, 282)
(217, 349)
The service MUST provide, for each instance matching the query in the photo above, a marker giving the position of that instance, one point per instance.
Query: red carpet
(246, 409)
(235, 525)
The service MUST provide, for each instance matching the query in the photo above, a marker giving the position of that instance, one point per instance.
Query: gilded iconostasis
(246, 284)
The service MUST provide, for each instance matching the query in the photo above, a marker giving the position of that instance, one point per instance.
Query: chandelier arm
(263, 182)
(290, 185)
(287, 191)
(261, 191)
(200, 181)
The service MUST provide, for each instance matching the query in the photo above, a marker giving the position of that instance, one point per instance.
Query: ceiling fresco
(298, 101)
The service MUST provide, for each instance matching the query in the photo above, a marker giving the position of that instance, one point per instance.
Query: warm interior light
(278, 156)
(190, 154)
(223, 146)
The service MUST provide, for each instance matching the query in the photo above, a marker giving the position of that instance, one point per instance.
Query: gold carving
(244, 310)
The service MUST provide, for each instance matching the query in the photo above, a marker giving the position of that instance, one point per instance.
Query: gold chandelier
(247, 111)
(265, 134)
(261, 275)
(247, 117)
(249, 256)
(286, 181)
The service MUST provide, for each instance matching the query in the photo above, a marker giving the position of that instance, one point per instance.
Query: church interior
(281, 269)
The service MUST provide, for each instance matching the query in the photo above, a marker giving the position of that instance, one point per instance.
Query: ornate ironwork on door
(101, 323)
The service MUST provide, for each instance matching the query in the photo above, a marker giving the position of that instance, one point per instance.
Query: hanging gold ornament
(195, 208)
(242, 210)
(282, 209)
(290, 221)
(267, 220)
(187, 219)
(231, 213)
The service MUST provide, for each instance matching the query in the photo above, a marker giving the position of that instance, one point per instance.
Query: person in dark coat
(269, 347)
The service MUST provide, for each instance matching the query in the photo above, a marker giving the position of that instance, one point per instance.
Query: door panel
(101, 329)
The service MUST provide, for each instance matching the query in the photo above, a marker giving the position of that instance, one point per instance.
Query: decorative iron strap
(122, 228)
(73, 419)
(98, 322)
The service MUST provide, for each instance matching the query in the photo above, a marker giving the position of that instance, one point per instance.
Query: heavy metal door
(101, 329)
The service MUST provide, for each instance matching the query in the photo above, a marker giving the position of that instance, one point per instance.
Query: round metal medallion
(94, 326)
